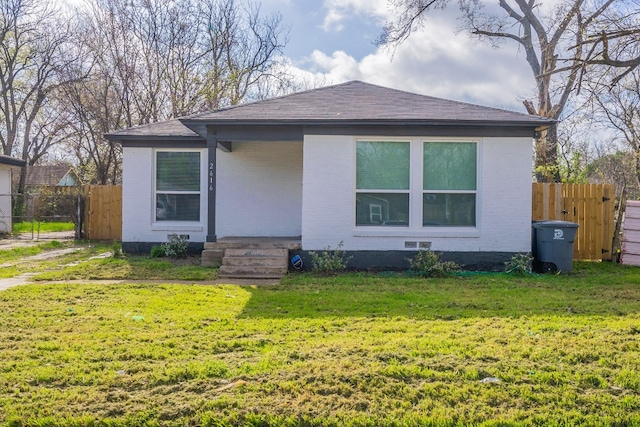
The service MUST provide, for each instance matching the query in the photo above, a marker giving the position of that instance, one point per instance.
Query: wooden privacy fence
(590, 205)
(103, 212)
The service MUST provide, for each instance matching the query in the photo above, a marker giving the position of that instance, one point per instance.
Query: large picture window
(177, 186)
(382, 183)
(390, 192)
(449, 184)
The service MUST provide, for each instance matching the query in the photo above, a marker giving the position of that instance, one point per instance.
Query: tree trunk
(546, 163)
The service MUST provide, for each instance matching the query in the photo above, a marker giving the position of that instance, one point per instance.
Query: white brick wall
(5, 198)
(260, 190)
(259, 193)
(138, 205)
(504, 197)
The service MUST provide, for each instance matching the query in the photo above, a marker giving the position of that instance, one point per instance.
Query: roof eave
(12, 161)
(542, 123)
(136, 138)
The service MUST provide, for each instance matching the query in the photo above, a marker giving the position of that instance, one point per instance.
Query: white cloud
(436, 62)
(433, 61)
(333, 20)
(340, 10)
(339, 67)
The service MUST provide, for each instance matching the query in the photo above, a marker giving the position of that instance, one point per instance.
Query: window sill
(176, 226)
(404, 232)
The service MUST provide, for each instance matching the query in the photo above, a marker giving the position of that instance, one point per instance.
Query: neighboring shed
(6, 164)
(383, 171)
(38, 176)
(630, 254)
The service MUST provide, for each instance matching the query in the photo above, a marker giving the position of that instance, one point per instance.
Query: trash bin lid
(555, 224)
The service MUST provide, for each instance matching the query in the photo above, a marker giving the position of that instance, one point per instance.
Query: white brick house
(6, 165)
(384, 171)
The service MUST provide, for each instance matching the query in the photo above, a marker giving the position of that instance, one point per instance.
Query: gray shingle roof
(353, 102)
(357, 101)
(172, 128)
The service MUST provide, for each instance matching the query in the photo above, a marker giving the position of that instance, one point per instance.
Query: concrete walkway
(13, 281)
(29, 239)
(27, 277)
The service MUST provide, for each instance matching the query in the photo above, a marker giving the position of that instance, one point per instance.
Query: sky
(333, 41)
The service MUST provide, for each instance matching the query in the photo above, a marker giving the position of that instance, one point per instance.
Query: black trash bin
(552, 245)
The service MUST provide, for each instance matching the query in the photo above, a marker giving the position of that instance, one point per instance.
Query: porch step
(237, 261)
(256, 253)
(254, 263)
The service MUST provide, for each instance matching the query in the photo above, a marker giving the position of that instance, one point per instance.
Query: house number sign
(212, 171)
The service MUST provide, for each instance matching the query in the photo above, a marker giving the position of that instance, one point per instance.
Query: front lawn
(42, 227)
(86, 265)
(132, 267)
(357, 349)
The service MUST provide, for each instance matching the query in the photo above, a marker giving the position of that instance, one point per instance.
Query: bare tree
(34, 52)
(243, 51)
(150, 60)
(614, 40)
(575, 142)
(619, 108)
(95, 110)
(554, 44)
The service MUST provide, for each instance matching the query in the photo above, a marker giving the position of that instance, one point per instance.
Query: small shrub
(428, 264)
(329, 261)
(176, 247)
(116, 250)
(157, 251)
(519, 264)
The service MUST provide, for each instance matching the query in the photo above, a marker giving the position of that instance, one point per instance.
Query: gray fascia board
(159, 141)
(239, 133)
(426, 131)
(252, 131)
(535, 122)
(12, 161)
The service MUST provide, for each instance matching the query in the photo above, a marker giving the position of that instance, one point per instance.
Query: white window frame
(474, 192)
(164, 223)
(383, 191)
(416, 229)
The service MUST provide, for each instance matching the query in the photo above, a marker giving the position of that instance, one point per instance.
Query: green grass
(132, 267)
(42, 227)
(79, 266)
(20, 252)
(357, 349)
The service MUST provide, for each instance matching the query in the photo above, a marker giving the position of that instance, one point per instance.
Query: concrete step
(247, 261)
(291, 243)
(252, 272)
(256, 252)
(211, 258)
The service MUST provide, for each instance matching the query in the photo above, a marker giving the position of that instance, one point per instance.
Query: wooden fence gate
(590, 205)
(103, 212)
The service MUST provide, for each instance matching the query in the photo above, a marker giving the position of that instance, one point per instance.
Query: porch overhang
(227, 132)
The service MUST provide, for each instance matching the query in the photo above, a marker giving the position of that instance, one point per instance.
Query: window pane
(448, 210)
(177, 207)
(449, 166)
(382, 165)
(382, 209)
(178, 171)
